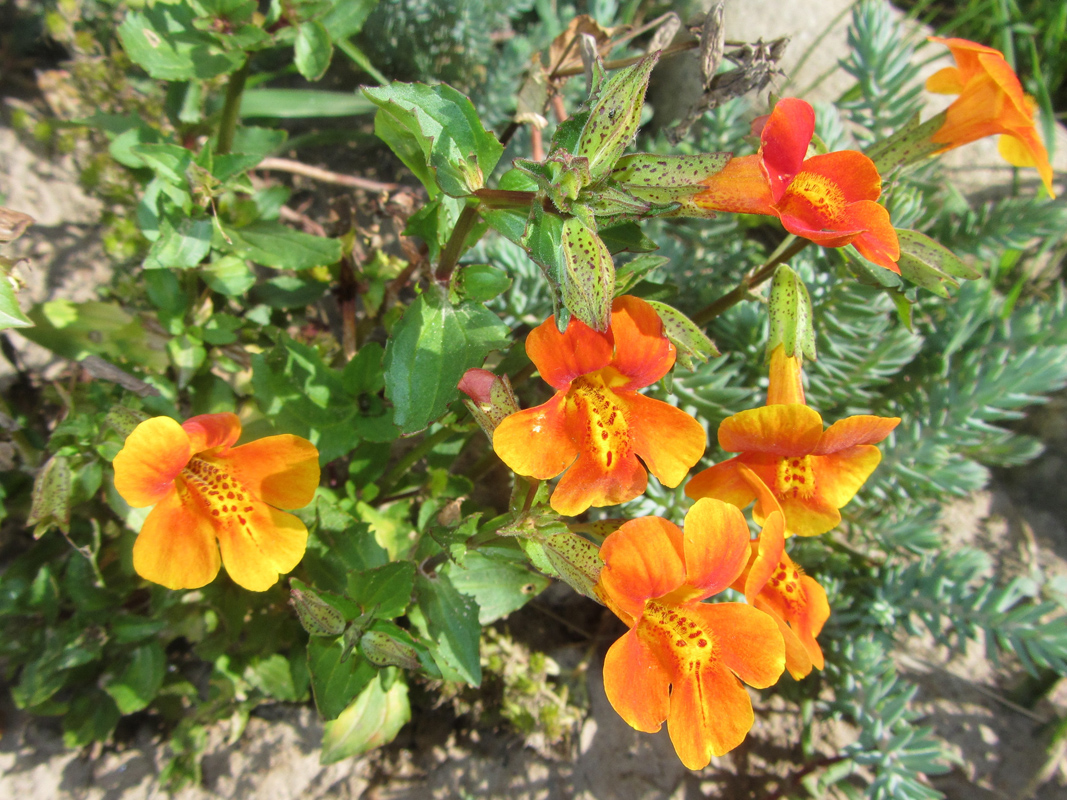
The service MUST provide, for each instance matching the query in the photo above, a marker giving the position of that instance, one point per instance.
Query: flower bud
(383, 650)
(318, 617)
(491, 398)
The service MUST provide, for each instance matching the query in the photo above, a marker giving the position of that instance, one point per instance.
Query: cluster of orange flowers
(683, 661)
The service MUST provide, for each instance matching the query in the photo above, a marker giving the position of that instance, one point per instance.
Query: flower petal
(636, 684)
(812, 617)
(723, 482)
(784, 142)
(797, 660)
(562, 357)
(588, 482)
(667, 439)
(771, 539)
(838, 476)
(643, 353)
(850, 431)
(1024, 148)
(786, 379)
(280, 470)
(208, 431)
(809, 516)
(538, 441)
(644, 559)
(716, 546)
(176, 546)
(270, 542)
(710, 714)
(747, 641)
(852, 173)
(878, 242)
(740, 187)
(945, 81)
(784, 430)
(152, 457)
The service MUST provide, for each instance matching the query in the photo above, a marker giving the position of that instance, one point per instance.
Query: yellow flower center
(820, 192)
(682, 636)
(795, 478)
(607, 434)
(223, 495)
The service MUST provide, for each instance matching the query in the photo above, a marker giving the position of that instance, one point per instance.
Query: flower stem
(411, 457)
(453, 248)
(231, 109)
(738, 293)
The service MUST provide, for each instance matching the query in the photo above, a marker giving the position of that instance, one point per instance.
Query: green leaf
(432, 345)
(257, 142)
(51, 497)
(438, 135)
(500, 584)
(335, 683)
(627, 237)
(480, 282)
(686, 336)
(11, 315)
(373, 719)
(274, 677)
(140, 680)
(384, 591)
(272, 244)
(169, 161)
(302, 104)
(313, 50)
(346, 18)
(91, 718)
(615, 117)
(791, 315)
(163, 41)
(588, 284)
(452, 620)
(180, 247)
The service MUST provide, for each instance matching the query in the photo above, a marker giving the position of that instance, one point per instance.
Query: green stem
(453, 248)
(411, 457)
(505, 198)
(231, 109)
(739, 292)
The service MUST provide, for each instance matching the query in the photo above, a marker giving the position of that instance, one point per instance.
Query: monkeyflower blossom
(828, 199)
(597, 426)
(811, 472)
(683, 660)
(774, 584)
(991, 101)
(211, 497)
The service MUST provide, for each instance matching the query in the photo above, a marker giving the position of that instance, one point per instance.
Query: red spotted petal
(176, 546)
(838, 476)
(266, 543)
(747, 641)
(280, 470)
(589, 482)
(710, 714)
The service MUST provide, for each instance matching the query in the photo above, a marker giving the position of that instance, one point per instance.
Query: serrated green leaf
(452, 620)
(432, 345)
(500, 585)
(140, 680)
(180, 247)
(92, 717)
(437, 133)
(615, 117)
(170, 162)
(272, 244)
(383, 591)
(313, 50)
(626, 238)
(335, 683)
(588, 281)
(273, 676)
(163, 41)
(373, 719)
(479, 282)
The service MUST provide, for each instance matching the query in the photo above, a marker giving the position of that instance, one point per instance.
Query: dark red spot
(607, 462)
(241, 519)
(702, 643)
(789, 587)
(679, 643)
(215, 513)
(229, 495)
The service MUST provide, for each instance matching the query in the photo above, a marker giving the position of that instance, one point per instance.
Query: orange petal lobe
(589, 483)
(537, 441)
(208, 431)
(667, 439)
(781, 430)
(809, 516)
(710, 714)
(772, 536)
(878, 242)
(643, 559)
(637, 685)
(271, 542)
(280, 470)
(838, 476)
(562, 357)
(643, 354)
(747, 641)
(945, 81)
(176, 546)
(723, 482)
(784, 142)
(716, 546)
(858, 429)
(152, 457)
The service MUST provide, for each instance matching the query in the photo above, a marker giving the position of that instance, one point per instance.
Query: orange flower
(991, 101)
(829, 198)
(775, 585)
(205, 491)
(596, 426)
(811, 472)
(681, 659)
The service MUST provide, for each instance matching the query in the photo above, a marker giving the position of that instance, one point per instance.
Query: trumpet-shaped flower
(774, 584)
(991, 101)
(597, 425)
(210, 496)
(828, 199)
(811, 472)
(683, 660)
